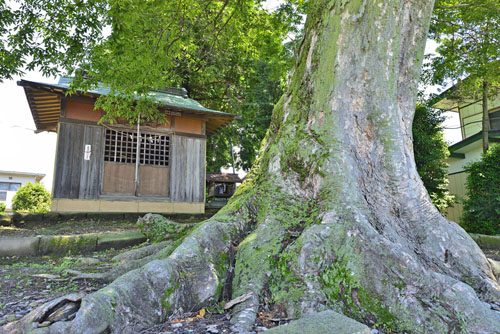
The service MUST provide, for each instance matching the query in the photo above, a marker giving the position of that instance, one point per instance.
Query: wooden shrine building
(221, 186)
(95, 165)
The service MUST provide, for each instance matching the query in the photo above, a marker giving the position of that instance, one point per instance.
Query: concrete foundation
(139, 206)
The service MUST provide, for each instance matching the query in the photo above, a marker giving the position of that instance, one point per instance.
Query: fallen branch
(237, 300)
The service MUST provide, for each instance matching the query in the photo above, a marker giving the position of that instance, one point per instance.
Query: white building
(10, 182)
(470, 148)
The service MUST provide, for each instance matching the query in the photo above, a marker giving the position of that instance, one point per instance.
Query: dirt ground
(26, 283)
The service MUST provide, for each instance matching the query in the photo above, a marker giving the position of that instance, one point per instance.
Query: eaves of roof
(44, 100)
(493, 136)
(450, 101)
(8, 172)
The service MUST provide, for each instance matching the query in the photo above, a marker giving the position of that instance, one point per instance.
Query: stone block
(326, 322)
(62, 244)
(25, 246)
(119, 240)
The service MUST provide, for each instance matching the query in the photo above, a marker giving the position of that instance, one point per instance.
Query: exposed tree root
(332, 264)
(141, 252)
(187, 280)
(128, 261)
(253, 269)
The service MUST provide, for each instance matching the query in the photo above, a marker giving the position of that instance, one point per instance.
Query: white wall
(23, 179)
(457, 177)
(473, 154)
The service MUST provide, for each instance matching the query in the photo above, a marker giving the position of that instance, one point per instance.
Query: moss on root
(346, 293)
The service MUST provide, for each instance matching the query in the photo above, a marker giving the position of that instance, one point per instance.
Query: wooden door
(120, 163)
(153, 181)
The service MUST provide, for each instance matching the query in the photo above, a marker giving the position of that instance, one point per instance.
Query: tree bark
(486, 116)
(334, 214)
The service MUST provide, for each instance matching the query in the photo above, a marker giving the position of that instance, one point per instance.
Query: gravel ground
(210, 323)
(26, 283)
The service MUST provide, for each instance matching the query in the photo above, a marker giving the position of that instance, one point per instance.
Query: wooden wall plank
(190, 168)
(187, 169)
(202, 172)
(181, 185)
(91, 174)
(77, 150)
(456, 186)
(175, 170)
(74, 176)
(85, 165)
(172, 170)
(62, 145)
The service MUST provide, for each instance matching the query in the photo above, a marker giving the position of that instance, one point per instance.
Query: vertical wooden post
(137, 155)
(232, 155)
(486, 118)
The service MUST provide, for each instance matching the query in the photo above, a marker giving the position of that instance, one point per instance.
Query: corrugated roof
(41, 93)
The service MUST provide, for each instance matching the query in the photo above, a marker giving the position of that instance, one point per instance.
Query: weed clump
(157, 228)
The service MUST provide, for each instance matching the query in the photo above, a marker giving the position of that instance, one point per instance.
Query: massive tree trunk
(334, 214)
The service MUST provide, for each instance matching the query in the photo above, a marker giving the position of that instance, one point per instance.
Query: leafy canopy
(53, 36)
(468, 35)
(222, 52)
(254, 98)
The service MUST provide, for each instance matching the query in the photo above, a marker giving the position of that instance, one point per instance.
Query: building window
(3, 196)
(495, 120)
(10, 186)
(121, 147)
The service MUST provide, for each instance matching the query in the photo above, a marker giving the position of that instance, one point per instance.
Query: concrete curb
(62, 244)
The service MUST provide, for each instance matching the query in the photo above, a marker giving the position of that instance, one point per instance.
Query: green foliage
(156, 227)
(231, 56)
(430, 152)
(31, 198)
(482, 205)
(259, 94)
(2, 207)
(468, 33)
(51, 35)
(263, 82)
(211, 48)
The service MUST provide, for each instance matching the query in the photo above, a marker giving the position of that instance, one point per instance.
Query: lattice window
(121, 147)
